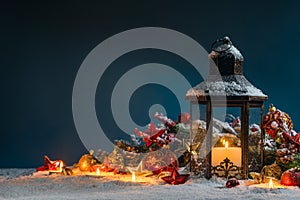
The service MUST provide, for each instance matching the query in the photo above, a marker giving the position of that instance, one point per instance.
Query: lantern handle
(225, 40)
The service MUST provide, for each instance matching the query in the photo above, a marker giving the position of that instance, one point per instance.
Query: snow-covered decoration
(229, 48)
(226, 127)
(166, 134)
(276, 122)
(156, 136)
(165, 120)
(284, 141)
(226, 75)
(231, 85)
(254, 128)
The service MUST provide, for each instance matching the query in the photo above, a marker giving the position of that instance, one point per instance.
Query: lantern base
(226, 169)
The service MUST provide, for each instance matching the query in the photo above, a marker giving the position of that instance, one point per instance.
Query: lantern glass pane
(227, 127)
(254, 141)
(198, 129)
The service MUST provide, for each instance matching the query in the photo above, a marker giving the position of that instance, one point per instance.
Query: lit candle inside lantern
(234, 154)
(133, 177)
(98, 172)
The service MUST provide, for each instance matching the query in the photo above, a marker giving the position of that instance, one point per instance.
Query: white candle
(234, 154)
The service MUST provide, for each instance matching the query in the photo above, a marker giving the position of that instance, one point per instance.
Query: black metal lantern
(238, 92)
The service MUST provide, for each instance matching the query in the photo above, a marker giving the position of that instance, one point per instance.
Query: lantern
(227, 87)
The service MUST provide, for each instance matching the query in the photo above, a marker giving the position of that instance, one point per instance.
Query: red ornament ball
(232, 182)
(290, 178)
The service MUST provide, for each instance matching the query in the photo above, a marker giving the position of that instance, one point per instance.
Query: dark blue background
(44, 43)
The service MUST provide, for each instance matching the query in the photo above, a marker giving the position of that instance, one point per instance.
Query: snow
(232, 50)
(23, 184)
(231, 85)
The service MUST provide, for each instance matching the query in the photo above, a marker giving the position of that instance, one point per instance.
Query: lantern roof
(227, 61)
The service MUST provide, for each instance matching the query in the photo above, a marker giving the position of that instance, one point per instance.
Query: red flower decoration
(50, 165)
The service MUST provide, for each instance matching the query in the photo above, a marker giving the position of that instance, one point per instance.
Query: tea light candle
(234, 154)
(98, 172)
(133, 177)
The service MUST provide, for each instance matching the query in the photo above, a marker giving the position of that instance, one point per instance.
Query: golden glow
(98, 172)
(223, 141)
(270, 184)
(226, 145)
(133, 177)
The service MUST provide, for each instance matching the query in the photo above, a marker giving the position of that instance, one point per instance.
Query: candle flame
(270, 184)
(223, 141)
(133, 177)
(98, 172)
(226, 145)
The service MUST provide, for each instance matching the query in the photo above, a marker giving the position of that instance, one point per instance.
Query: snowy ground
(21, 184)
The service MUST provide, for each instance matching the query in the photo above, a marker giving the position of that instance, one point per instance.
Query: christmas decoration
(56, 166)
(266, 173)
(106, 166)
(162, 136)
(52, 166)
(87, 161)
(232, 182)
(226, 86)
(238, 145)
(291, 177)
(139, 170)
(176, 178)
(160, 161)
(276, 122)
(284, 141)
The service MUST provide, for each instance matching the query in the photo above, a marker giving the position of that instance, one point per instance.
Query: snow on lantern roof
(232, 83)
